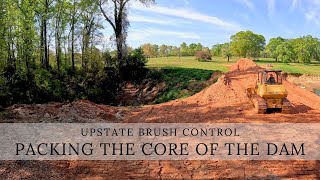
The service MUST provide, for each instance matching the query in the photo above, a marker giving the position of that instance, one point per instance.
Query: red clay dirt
(219, 103)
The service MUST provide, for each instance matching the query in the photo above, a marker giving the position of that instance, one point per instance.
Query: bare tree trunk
(13, 55)
(45, 34)
(66, 59)
(9, 60)
(72, 42)
(58, 45)
(42, 45)
(119, 26)
(86, 51)
(119, 50)
(44, 57)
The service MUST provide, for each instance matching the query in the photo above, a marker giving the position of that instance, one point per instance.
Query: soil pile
(245, 65)
(75, 112)
(137, 95)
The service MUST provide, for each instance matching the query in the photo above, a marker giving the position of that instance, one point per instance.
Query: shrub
(180, 82)
(155, 75)
(44, 86)
(99, 85)
(134, 68)
(203, 55)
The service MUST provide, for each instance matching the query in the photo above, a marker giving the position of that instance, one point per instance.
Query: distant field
(221, 64)
(218, 63)
(312, 69)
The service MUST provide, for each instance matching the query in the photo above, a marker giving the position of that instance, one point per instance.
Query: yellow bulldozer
(269, 92)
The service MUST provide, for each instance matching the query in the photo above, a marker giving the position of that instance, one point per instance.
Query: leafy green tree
(155, 50)
(217, 50)
(316, 54)
(117, 18)
(272, 46)
(44, 11)
(73, 15)
(8, 33)
(184, 49)
(192, 49)
(226, 51)
(175, 51)
(60, 25)
(150, 50)
(247, 43)
(27, 34)
(199, 47)
(163, 51)
(306, 48)
(90, 25)
(285, 52)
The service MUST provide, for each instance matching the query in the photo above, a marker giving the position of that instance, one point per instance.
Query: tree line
(49, 33)
(247, 44)
(54, 50)
(154, 50)
(303, 50)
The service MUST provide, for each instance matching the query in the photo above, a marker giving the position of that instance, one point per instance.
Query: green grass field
(221, 64)
(296, 68)
(218, 64)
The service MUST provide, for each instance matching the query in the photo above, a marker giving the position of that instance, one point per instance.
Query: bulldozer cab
(270, 77)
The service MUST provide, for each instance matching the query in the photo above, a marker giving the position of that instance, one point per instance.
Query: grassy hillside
(221, 64)
(180, 82)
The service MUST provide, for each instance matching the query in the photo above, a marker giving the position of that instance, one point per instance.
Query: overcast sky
(214, 21)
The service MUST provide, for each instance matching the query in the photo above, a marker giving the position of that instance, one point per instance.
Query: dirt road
(218, 103)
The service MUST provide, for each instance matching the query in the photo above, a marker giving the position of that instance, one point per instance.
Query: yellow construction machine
(269, 92)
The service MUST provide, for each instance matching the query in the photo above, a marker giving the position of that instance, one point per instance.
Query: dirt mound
(137, 95)
(220, 94)
(75, 112)
(245, 65)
